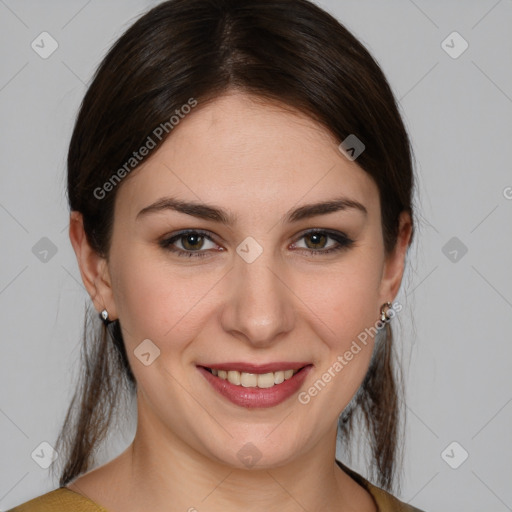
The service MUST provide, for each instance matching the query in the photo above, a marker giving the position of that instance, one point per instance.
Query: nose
(259, 307)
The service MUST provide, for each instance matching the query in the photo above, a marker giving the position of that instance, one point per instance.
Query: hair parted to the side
(289, 51)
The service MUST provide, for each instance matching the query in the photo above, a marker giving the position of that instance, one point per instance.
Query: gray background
(455, 331)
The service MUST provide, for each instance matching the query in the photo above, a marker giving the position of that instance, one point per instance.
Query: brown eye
(192, 241)
(190, 244)
(318, 240)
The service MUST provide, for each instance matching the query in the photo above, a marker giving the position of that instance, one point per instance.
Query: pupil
(192, 240)
(317, 238)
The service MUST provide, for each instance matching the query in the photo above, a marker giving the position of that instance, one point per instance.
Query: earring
(104, 317)
(384, 312)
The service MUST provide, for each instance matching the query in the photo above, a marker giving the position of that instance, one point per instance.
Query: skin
(257, 161)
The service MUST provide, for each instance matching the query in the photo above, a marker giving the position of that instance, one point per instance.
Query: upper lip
(257, 368)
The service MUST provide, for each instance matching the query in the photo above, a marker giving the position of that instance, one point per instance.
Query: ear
(395, 262)
(93, 267)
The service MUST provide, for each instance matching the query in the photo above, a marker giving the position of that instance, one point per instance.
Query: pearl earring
(384, 312)
(104, 317)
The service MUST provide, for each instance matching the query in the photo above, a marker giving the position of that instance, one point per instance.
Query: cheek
(346, 299)
(169, 302)
(344, 305)
(159, 301)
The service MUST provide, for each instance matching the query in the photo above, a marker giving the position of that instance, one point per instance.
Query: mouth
(260, 387)
(262, 380)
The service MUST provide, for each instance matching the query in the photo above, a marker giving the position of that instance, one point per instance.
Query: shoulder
(59, 500)
(388, 503)
(385, 501)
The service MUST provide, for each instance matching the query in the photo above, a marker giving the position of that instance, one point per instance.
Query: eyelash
(343, 242)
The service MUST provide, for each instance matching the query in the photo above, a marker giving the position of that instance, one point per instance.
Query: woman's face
(259, 290)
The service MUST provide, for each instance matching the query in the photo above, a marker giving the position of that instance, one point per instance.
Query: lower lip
(257, 397)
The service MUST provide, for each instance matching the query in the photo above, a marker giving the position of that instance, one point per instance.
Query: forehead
(246, 154)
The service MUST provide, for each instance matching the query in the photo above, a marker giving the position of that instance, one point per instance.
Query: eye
(316, 241)
(194, 243)
(190, 243)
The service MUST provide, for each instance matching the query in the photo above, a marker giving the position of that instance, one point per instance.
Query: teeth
(278, 377)
(254, 380)
(234, 377)
(288, 374)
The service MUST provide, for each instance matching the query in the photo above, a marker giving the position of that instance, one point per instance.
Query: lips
(258, 369)
(254, 380)
(259, 388)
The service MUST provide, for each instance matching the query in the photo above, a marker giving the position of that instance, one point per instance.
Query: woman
(240, 185)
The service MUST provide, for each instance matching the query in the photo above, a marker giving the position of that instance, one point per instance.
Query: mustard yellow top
(66, 500)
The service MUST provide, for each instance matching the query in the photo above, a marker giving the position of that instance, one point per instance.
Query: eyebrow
(216, 214)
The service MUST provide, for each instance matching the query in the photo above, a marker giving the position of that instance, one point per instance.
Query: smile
(254, 380)
(247, 389)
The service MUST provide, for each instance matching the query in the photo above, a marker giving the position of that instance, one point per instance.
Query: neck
(161, 472)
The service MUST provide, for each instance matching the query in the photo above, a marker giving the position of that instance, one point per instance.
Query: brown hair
(289, 51)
